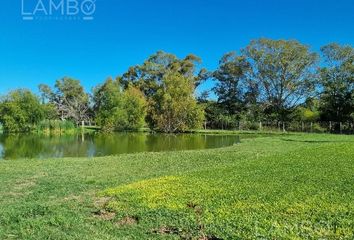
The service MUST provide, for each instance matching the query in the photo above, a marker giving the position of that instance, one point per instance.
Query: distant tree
(107, 100)
(118, 110)
(69, 98)
(50, 112)
(213, 111)
(203, 97)
(284, 71)
(337, 80)
(148, 76)
(20, 111)
(253, 107)
(135, 105)
(308, 111)
(231, 82)
(174, 107)
(155, 79)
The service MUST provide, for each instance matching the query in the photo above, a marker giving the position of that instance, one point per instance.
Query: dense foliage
(284, 72)
(337, 76)
(168, 84)
(119, 110)
(283, 81)
(20, 110)
(69, 98)
(269, 80)
(174, 108)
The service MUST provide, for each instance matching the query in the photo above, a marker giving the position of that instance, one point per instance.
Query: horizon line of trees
(269, 80)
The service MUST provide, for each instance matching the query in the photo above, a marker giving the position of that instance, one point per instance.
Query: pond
(97, 144)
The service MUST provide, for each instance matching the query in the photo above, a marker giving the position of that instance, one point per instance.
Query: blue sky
(125, 33)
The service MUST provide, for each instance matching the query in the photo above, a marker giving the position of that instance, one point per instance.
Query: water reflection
(1, 151)
(91, 145)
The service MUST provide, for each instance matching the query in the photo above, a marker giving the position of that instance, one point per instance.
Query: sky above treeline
(41, 45)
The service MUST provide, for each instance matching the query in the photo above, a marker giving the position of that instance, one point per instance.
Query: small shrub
(67, 125)
(317, 128)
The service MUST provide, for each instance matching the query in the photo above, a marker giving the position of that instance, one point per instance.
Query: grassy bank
(279, 187)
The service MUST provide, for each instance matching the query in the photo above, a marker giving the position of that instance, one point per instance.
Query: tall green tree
(69, 98)
(148, 76)
(284, 72)
(174, 107)
(135, 106)
(155, 79)
(20, 111)
(337, 80)
(107, 100)
(308, 111)
(231, 82)
(116, 109)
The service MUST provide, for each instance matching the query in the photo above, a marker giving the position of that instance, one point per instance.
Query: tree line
(269, 80)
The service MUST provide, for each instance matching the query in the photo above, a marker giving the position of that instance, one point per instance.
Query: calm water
(91, 145)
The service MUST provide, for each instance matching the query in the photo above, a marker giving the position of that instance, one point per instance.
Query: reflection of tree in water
(170, 142)
(69, 146)
(1, 151)
(221, 141)
(97, 144)
(37, 146)
(118, 143)
(21, 146)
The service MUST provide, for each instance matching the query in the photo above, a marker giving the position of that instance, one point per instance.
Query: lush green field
(279, 187)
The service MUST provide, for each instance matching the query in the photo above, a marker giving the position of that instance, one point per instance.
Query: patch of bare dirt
(105, 215)
(166, 230)
(13, 194)
(128, 221)
(182, 234)
(102, 202)
(210, 238)
(25, 184)
(73, 198)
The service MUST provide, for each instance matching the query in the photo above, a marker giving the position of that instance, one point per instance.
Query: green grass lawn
(278, 187)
